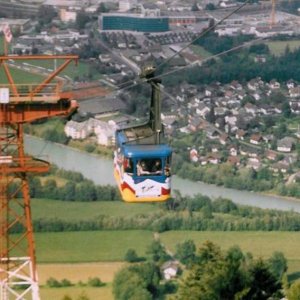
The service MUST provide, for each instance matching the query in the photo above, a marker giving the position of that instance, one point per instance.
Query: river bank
(100, 171)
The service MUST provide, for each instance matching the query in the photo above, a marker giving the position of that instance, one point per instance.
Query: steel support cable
(206, 31)
(246, 44)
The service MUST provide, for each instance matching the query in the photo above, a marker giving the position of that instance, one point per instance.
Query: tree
(286, 109)
(294, 291)
(131, 256)
(217, 275)
(95, 282)
(102, 8)
(210, 6)
(157, 252)
(81, 19)
(263, 284)
(50, 189)
(278, 264)
(195, 7)
(137, 282)
(68, 191)
(185, 252)
(46, 14)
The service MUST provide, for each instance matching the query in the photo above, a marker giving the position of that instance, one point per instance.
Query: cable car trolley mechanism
(142, 161)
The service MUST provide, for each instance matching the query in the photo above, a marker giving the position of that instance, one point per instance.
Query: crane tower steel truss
(21, 104)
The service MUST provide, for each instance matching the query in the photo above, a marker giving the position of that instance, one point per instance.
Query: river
(100, 171)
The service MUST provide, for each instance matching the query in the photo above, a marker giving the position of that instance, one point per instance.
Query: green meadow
(103, 293)
(90, 246)
(95, 246)
(278, 48)
(198, 50)
(76, 211)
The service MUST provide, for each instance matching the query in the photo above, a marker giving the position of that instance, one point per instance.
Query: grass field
(76, 211)
(259, 243)
(278, 47)
(90, 246)
(198, 50)
(100, 246)
(103, 293)
(20, 76)
(79, 271)
(76, 273)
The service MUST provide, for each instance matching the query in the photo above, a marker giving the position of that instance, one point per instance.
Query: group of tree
(210, 274)
(215, 274)
(198, 213)
(143, 281)
(238, 64)
(84, 190)
(75, 188)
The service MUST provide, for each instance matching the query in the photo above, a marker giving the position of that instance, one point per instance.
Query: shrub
(95, 282)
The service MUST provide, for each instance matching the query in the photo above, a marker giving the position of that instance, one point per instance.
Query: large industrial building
(134, 22)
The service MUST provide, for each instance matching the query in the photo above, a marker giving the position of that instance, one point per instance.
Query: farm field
(90, 246)
(111, 246)
(106, 251)
(76, 211)
(259, 243)
(278, 47)
(76, 273)
(102, 293)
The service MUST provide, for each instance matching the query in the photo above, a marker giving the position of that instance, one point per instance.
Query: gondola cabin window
(143, 172)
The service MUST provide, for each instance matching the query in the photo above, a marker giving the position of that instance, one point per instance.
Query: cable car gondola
(142, 162)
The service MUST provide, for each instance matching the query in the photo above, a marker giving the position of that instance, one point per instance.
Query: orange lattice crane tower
(19, 104)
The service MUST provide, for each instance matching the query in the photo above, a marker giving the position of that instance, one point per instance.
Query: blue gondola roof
(141, 151)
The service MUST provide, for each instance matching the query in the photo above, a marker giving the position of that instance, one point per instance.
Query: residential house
(289, 160)
(224, 138)
(268, 138)
(202, 110)
(266, 109)
(254, 163)
(203, 161)
(105, 133)
(279, 167)
(285, 144)
(220, 111)
(255, 139)
(251, 108)
(241, 94)
(290, 84)
(194, 124)
(220, 122)
(274, 84)
(209, 91)
(234, 160)
(249, 151)
(271, 155)
(233, 150)
(169, 269)
(215, 148)
(231, 120)
(77, 130)
(240, 134)
(211, 132)
(214, 158)
(260, 59)
(294, 92)
(295, 107)
(235, 85)
(194, 155)
(253, 84)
